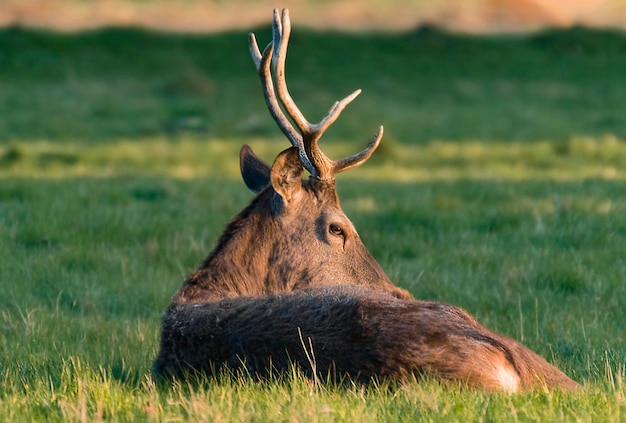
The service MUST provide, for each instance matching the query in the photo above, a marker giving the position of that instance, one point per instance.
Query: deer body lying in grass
(291, 283)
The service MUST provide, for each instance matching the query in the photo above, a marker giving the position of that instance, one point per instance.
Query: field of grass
(499, 187)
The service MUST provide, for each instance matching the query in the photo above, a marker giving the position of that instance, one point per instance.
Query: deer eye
(335, 229)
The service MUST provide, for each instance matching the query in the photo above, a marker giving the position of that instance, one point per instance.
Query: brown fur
(346, 330)
(274, 246)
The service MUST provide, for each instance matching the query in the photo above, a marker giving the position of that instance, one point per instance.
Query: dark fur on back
(345, 330)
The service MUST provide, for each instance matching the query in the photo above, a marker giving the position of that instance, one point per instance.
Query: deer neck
(238, 266)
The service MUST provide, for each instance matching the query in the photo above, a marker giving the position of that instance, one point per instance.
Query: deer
(290, 283)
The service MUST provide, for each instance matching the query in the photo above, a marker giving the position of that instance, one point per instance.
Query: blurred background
(473, 16)
(484, 70)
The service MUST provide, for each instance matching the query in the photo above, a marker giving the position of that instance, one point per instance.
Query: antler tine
(359, 158)
(262, 63)
(334, 113)
(281, 33)
(254, 50)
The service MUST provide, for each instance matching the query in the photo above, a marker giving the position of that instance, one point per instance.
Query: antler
(308, 134)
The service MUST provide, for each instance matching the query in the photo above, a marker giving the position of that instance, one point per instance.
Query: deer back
(354, 331)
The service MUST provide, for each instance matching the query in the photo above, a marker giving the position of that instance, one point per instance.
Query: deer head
(294, 233)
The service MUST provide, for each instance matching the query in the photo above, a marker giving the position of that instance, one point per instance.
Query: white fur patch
(508, 379)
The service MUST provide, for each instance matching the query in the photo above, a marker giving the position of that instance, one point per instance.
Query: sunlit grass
(579, 158)
(83, 393)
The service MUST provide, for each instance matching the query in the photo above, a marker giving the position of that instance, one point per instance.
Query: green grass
(499, 187)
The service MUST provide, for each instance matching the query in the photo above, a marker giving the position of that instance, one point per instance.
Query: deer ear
(286, 174)
(254, 171)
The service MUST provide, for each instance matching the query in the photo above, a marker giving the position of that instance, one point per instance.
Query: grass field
(499, 187)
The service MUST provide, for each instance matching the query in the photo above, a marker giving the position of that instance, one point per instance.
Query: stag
(291, 283)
